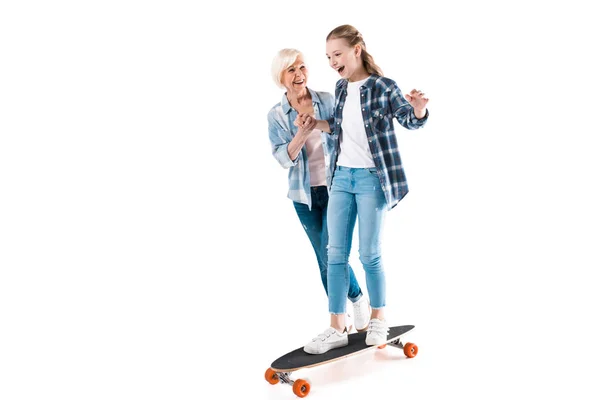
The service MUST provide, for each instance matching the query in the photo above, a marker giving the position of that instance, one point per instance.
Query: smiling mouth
(299, 83)
(340, 69)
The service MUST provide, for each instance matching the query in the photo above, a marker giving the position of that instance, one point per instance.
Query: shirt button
(367, 125)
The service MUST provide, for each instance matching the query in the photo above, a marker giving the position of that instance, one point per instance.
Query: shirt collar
(285, 104)
(370, 82)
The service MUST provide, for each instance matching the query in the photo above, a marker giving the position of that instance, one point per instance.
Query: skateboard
(282, 368)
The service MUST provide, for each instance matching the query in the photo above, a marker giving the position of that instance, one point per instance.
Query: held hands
(418, 101)
(305, 123)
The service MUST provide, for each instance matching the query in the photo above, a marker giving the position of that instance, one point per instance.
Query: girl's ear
(357, 50)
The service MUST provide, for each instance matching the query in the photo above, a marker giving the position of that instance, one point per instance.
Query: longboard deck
(298, 358)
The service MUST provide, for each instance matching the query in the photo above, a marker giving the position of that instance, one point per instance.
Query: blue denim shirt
(381, 101)
(282, 130)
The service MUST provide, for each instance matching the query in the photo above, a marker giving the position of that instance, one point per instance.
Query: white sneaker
(330, 339)
(362, 313)
(377, 332)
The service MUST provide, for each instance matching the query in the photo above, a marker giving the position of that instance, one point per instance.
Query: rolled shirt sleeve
(279, 143)
(403, 111)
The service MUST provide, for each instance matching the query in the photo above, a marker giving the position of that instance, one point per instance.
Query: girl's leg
(341, 214)
(341, 217)
(371, 209)
(354, 290)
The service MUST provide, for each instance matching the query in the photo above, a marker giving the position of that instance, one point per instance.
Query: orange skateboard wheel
(301, 388)
(271, 376)
(410, 350)
(382, 346)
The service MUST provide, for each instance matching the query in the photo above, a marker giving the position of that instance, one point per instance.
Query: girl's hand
(305, 123)
(418, 101)
(300, 119)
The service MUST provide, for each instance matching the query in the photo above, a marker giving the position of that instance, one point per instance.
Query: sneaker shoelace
(323, 336)
(358, 312)
(378, 327)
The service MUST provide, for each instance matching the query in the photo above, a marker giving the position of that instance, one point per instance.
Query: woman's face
(343, 58)
(294, 78)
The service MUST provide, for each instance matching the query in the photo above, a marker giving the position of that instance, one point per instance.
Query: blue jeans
(355, 192)
(315, 226)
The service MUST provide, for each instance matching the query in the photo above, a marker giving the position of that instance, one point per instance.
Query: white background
(148, 250)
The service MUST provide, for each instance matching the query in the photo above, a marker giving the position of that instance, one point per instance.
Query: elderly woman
(309, 154)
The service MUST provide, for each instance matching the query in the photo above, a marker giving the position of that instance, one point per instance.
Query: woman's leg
(312, 221)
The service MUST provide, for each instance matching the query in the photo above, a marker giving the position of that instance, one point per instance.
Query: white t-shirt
(316, 159)
(354, 145)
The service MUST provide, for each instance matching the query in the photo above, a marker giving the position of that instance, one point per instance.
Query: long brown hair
(353, 37)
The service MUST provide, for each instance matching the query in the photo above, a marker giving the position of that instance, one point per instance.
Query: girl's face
(295, 76)
(343, 58)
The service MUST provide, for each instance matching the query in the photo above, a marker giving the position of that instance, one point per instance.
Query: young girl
(368, 178)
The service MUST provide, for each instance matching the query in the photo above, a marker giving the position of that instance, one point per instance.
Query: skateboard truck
(301, 387)
(397, 343)
(285, 377)
(410, 349)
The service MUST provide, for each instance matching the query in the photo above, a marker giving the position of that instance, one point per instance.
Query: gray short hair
(281, 62)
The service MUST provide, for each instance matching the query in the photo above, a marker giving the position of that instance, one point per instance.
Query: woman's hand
(305, 123)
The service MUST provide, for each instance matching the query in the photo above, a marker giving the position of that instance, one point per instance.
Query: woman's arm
(279, 139)
(295, 146)
(284, 150)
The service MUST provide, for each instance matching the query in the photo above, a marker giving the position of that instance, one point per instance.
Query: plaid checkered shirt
(381, 101)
